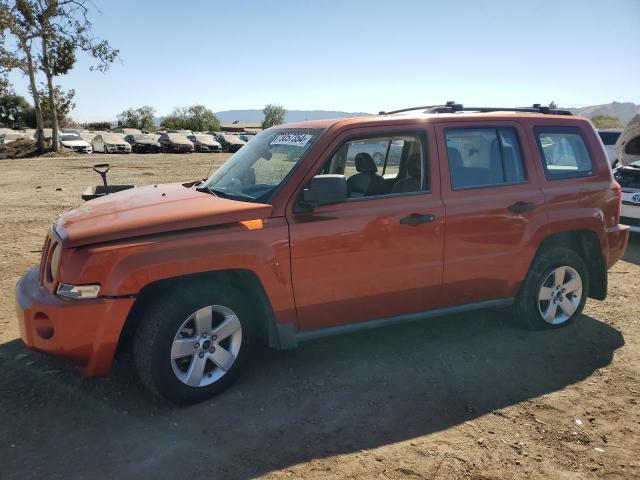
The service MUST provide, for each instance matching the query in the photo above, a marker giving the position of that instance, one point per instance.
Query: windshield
(178, 138)
(70, 138)
(258, 168)
(204, 138)
(111, 138)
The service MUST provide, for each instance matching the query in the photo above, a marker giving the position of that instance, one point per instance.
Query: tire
(168, 329)
(564, 304)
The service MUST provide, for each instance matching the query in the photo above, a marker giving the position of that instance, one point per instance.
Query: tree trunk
(52, 97)
(36, 97)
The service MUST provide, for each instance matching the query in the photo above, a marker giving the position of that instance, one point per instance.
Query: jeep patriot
(330, 226)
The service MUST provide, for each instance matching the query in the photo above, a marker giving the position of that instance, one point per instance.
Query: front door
(379, 254)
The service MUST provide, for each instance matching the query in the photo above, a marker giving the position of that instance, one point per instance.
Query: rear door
(378, 254)
(493, 203)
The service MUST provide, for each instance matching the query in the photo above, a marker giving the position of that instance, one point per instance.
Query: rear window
(564, 152)
(481, 157)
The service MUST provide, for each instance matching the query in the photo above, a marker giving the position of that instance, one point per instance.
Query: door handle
(520, 207)
(416, 219)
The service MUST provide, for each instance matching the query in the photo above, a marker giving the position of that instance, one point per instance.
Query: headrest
(365, 163)
(455, 159)
(413, 165)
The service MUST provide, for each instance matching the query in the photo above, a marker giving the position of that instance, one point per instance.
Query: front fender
(124, 267)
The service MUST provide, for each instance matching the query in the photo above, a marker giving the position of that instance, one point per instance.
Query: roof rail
(452, 107)
(449, 104)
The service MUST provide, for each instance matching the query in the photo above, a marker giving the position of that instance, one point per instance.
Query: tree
(16, 112)
(142, 118)
(63, 104)
(62, 28)
(197, 118)
(19, 23)
(201, 119)
(606, 121)
(273, 115)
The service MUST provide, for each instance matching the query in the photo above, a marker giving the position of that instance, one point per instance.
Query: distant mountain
(624, 111)
(256, 116)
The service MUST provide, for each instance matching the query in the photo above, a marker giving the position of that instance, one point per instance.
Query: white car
(609, 137)
(110, 143)
(628, 175)
(74, 143)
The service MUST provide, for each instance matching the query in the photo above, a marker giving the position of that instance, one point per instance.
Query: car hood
(74, 143)
(151, 210)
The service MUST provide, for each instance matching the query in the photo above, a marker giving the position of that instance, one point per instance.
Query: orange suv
(331, 226)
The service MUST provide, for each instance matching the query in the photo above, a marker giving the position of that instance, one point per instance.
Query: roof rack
(452, 107)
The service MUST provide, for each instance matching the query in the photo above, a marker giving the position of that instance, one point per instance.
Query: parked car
(175, 142)
(609, 137)
(193, 274)
(144, 143)
(9, 137)
(110, 143)
(628, 175)
(230, 143)
(205, 143)
(74, 143)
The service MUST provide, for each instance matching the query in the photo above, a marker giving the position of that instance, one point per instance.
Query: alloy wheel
(206, 345)
(559, 295)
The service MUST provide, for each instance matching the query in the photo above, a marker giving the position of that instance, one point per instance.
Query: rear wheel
(555, 290)
(193, 342)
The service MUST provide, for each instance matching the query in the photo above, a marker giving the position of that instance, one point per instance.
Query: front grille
(632, 222)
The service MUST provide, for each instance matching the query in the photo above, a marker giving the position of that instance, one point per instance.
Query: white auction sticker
(293, 139)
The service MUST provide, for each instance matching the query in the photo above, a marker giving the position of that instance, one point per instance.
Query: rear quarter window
(563, 152)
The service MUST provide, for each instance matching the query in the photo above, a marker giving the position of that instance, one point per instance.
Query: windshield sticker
(293, 139)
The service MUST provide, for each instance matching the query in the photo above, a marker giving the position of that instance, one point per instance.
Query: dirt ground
(465, 396)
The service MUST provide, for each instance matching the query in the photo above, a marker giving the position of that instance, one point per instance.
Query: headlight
(78, 291)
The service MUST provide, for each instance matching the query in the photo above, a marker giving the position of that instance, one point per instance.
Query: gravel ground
(465, 396)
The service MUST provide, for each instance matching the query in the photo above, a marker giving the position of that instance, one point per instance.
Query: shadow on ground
(331, 396)
(632, 254)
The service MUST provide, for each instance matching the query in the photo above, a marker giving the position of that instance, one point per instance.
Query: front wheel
(193, 342)
(555, 290)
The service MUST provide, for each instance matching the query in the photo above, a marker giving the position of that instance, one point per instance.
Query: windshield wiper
(218, 192)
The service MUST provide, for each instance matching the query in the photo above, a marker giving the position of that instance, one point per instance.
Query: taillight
(616, 186)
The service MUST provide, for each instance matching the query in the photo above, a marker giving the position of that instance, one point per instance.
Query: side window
(380, 166)
(563, 151)
(480, 157)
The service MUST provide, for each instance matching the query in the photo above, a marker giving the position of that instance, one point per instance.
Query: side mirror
(325, 190)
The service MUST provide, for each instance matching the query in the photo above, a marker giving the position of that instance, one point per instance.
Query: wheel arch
(584, 242)
(243, 279)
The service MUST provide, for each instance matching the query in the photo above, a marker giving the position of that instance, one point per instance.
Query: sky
(358, 55)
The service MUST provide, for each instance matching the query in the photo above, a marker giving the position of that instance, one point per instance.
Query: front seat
(366, 181)
(413, 181)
